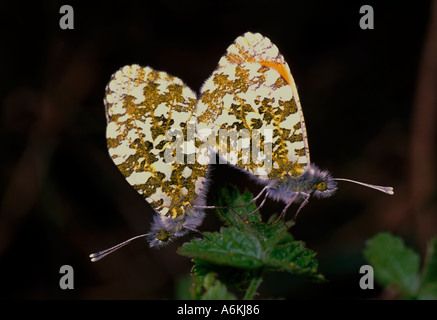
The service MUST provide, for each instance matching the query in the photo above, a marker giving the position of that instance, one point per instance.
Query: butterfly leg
(282, 215)
(194, 230)
(240, 206)
(307, 195)
(261, 205)
(251, 201)
(257, 197)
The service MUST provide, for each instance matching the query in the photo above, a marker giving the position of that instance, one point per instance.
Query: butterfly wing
(150, 137)
(252, 91)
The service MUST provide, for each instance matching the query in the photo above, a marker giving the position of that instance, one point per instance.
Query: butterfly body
(312, 181)
(165, 229)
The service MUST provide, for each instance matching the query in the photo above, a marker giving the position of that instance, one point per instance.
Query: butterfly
(162, 137)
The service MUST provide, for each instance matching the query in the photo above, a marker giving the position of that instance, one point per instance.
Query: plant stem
(253, 286)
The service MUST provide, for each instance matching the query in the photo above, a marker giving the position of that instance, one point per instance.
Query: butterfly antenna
(101, 254)
(388, 190)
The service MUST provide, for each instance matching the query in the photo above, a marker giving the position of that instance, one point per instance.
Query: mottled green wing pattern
(252, 91)
(149, 115)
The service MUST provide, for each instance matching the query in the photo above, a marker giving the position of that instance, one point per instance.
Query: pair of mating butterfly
(151, 115)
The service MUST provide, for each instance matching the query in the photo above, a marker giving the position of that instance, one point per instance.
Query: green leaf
(393, 263)
(271, 234)
(428, 285)
(238, 211)
(240, 253)
(229, 247)
(293, 255)
(213, 289)
(245, 219)
(183, 287)
(227, 275)
(295, 258)
(251, 245)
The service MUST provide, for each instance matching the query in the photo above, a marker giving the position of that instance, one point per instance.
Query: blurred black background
(369, 104)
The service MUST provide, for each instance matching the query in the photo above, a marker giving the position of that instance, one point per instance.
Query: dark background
(369, 102)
